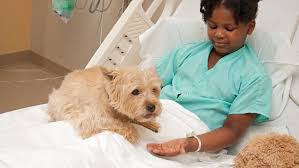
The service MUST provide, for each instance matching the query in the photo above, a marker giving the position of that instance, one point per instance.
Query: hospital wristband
(193, 135)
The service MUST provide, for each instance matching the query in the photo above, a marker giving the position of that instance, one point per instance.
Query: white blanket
(27, 140)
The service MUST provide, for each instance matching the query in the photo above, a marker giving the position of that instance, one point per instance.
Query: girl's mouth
(219, 45)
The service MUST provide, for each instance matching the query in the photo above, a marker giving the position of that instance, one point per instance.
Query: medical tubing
(93, 8)
(84, 5)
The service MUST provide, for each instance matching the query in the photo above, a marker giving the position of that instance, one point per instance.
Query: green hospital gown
(237, 84)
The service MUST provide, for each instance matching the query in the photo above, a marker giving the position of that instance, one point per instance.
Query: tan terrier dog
(99, 99)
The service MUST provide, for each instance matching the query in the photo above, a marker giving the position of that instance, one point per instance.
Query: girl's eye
(212, 26)
(135, 92)
(230, 29)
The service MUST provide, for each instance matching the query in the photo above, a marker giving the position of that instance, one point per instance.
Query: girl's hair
(244, 10)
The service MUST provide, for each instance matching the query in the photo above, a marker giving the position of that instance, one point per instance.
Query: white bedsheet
(27, 140)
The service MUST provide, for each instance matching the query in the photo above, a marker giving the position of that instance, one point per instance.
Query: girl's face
(225, 34)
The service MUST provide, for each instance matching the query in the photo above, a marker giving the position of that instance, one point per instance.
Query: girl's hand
(170, 148)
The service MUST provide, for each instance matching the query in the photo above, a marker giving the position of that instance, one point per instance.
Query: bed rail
(121, 46)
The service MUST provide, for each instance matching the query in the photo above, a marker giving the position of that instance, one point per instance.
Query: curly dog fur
(98, 99)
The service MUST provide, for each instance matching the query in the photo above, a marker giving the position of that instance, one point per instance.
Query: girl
(220, 80)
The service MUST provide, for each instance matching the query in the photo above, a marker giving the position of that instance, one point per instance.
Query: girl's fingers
(166, 149)
(154, 148)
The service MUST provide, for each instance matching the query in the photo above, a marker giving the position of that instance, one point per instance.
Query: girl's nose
(219, 33)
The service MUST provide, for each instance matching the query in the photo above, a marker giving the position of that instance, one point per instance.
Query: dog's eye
(155, 90)
(135, 92)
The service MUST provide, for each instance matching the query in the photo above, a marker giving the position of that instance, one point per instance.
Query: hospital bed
(117, 51)
(28, 140)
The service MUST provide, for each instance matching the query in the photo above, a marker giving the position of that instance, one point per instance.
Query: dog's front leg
(127, 131)
(152, 125)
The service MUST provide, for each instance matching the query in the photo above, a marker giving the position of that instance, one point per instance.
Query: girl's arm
(234, 126)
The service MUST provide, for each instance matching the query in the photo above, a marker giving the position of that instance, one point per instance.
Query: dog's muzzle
(150, 108)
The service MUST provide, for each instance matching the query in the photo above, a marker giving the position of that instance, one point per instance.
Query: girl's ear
(251, 26)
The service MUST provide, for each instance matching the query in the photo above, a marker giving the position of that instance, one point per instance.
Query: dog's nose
(150, 107)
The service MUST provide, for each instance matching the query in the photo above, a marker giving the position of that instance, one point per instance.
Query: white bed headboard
(121, 40)
(121, 46)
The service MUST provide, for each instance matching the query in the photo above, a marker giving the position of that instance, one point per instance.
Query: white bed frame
(121, 46)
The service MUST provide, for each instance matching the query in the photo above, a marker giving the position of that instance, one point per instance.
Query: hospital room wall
(73, 44)
(15, 29)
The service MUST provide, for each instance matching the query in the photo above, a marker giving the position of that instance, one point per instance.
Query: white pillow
(295, 87)
(168, 34)
(277, 54)
(273, 49)
(188, 9)
(295, 83)
(278, 15)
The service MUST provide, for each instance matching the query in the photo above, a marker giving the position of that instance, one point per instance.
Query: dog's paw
(51, 118)
(132, 138)
(152, 125)
(155, 127)
(86, 134)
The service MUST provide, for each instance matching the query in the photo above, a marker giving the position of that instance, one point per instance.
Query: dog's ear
(110, 73)
(153, 71)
